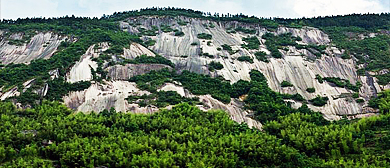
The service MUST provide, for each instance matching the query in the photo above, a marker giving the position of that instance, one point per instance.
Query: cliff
(297, 66)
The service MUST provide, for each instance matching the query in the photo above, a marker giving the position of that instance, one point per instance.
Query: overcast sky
(13, 9)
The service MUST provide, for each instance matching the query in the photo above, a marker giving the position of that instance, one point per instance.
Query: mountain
(303, 84)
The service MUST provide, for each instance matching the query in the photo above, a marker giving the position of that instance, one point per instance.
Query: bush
(207, 55)
(245, 59)
(228, 49)
(345, 56)
(261, 56)
(224, 98)
(150, 42)
(215, 66)
(205, 36)
(178, 33)
(359, 100)
(311, 90)
(252, 43)
(355, 95)
(319, 78)
(286, 84)
(144, 59)
(244, 30)
(240, 88)
(319, 101)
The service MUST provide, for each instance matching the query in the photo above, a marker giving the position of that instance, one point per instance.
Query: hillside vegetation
(45, 133)
(51, 135)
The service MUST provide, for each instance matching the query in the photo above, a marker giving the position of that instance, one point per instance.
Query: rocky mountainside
(194, 44)
(171, 87)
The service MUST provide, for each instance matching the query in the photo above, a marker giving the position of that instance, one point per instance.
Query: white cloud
(310, 8)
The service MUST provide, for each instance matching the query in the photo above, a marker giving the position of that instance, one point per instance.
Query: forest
(51, 135)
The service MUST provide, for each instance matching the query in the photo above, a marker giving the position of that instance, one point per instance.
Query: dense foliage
(364, 21)
(319, 101)
(286, 84)
(215, 66)
(171, 11)
(261, 56)
(218, 88)
(245, 59)
(52, 135)
(144, 59)
(161, 99)
(228, 49)
(311, 90)
(205, 36)
(251, 43)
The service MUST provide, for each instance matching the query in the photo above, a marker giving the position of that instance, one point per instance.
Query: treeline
(366, 21)
(172, 11)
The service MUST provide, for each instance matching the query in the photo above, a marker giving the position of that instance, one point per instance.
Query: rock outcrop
(299, 67)
(125, 72)
(42, 45)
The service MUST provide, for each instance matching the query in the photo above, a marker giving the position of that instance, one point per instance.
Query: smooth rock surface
(42, 45)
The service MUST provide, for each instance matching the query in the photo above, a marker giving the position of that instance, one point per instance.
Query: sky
(13, 9)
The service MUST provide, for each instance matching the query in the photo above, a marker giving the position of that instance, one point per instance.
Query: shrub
(178, 33)
(205, 36)
(215, 66)
(252, 43)
(261, 56)
(228, 49)
(245, 30)
(359, 100)
(286, 84)
(355, 95)
(345, 56)
(150, 43)
(311, 90)
(319, 78)
(245, 58)
(319, 101)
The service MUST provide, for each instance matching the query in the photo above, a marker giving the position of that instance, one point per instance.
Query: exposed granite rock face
(136, 50)
(234, 109)
(10, 93)
(308, 34)
(104, 96)
(42, 45)
(299, 67)
(125, 72)
(81, 71)
(114, 93)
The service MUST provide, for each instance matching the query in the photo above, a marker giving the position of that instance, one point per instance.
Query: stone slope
(295, 66)
(42, 45)
(298, 66)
